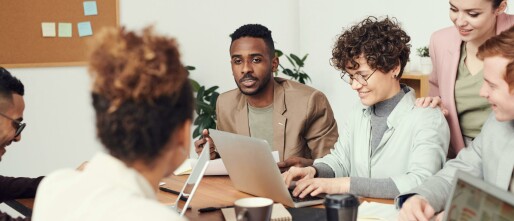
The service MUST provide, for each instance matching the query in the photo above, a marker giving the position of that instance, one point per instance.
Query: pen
(211, 209)
(172, 191)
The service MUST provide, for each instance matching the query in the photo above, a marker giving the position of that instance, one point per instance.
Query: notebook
(474, 199)
(278, 213)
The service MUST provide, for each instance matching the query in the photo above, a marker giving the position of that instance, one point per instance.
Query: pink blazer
(445, 54)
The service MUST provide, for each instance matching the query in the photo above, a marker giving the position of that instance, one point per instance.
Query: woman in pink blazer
(474, 21)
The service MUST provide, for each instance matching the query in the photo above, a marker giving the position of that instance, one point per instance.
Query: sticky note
(90, 8)
(85, 29)
(65, 30)
(48, 29)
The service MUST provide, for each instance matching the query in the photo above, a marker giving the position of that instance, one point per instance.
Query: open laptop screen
(189, 188)
(473, 199)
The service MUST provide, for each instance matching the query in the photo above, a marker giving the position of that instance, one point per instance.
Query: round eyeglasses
(348, 78)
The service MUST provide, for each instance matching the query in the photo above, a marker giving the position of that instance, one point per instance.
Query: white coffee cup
(253, 209)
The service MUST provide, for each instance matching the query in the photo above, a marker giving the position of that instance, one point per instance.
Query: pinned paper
(48, 29)
(85, 29)
(90, 8)
(65, 30)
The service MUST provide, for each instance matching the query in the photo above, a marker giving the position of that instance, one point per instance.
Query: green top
(471, 108)
(260, 121)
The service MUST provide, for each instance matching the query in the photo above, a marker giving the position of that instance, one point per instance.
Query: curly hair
(141, 92)
(383, 44)
(255, 31)
(502, 45)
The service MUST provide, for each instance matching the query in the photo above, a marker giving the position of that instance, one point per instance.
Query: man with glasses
(295, 119)
(388, 146)
(11, 126)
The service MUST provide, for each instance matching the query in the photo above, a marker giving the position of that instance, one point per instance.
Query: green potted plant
(205, 106)
(425, 62)
(297, 72)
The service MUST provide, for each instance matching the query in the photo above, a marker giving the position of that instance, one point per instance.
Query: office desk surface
(214, 191)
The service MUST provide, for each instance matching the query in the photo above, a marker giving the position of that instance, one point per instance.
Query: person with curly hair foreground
(144, 105)
(388, 146)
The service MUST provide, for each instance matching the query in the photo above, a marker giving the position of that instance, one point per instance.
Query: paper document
(371, 211)
(185, 168)
(216, 167)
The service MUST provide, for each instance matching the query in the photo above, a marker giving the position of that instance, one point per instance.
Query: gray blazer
(489, 157)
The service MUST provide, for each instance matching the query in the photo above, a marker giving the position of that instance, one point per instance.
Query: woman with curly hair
(144, 106)
(387, 146)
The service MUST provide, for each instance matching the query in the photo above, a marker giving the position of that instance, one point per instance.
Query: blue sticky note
(90, 8)
(85, 29)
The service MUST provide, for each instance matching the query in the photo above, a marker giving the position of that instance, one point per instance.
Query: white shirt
(106, 190)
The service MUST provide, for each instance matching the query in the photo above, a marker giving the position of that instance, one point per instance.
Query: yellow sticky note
(65, 30)
(48, 29)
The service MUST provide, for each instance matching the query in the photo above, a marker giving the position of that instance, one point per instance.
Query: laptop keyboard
(297, 199)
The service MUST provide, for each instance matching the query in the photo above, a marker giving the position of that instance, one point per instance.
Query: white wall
(60, 119)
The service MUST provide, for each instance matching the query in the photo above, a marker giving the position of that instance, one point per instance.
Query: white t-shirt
(106, 190)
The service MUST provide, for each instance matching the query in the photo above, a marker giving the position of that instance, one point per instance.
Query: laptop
(474, 199)
(192, 182)
(253, 170)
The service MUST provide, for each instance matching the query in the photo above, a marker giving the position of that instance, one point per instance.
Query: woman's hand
(432, 102)
(321, 185)
(297, 173)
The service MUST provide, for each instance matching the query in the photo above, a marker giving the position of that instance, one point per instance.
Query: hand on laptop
(297, 173)
(417, 208)
(317, 186)
(294, 161)
(203, 139)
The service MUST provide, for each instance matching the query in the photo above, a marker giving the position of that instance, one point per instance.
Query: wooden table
(214, 191)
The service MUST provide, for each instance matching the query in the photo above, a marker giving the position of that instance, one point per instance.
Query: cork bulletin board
(21, 31)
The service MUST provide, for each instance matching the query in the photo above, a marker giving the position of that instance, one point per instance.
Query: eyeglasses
(348, 78)
(19, 126)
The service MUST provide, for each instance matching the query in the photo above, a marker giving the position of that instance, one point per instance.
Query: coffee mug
(253, 209)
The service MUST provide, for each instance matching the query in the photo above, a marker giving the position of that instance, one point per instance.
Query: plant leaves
(298, 61)
(288, 72)
(195, 85)
(196, 132)
(200, 94)
(210, 90)
(278, 53)
(291, 61)
(304, 58)
(214, 99)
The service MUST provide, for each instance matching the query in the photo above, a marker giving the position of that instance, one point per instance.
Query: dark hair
(383, 44)
(502, 45)
(9, 85)
(141, 92)
(496, 3)
(255, 31)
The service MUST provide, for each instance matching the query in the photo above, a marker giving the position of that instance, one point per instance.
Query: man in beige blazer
(295, 119)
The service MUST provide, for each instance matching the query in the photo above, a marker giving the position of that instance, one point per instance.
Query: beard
(263, 84)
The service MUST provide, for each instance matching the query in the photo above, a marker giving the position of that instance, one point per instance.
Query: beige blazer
(445, 55)
(303, 121)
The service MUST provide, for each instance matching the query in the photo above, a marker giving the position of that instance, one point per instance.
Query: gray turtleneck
(370, 187)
